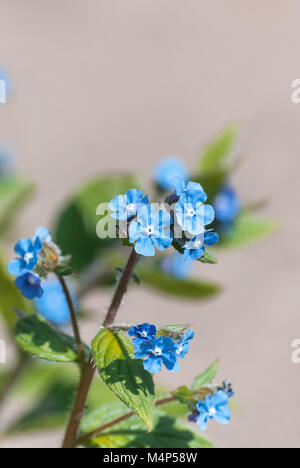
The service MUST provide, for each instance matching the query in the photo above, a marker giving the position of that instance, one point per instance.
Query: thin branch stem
(121, 289)
(86, 437)
(74, 322)
(88, 369)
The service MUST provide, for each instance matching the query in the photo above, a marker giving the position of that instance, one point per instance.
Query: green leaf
(183, 394)
(124, 375)
(14, 192)
(35, 336)
(206, 377)
(212, 182)
(249, 228)
(208, 258)
(216, 152)
(10, 297)
(82, 243)
(167, 432)
(185, 289)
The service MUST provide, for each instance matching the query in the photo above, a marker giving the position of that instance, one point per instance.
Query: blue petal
(223, 415)
(16, 266)
(134, 231)
(23, 246)
(133, 331)
(43, 233)
(219, 398)
(169, 359)
(209, 214)
(145, 247)
(38, 245)
(153, 364)
(163, 242)
(202, 421)
(133, 196)
(211, 238)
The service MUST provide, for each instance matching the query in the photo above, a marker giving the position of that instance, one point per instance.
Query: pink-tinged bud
(50, 256)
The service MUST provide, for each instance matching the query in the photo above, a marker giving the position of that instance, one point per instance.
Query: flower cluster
(159, 350)
(182, 220)
(35, 258)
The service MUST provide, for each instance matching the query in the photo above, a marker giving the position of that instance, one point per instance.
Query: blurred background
(105, 86)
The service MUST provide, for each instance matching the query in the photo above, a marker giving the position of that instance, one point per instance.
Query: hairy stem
(74, 322)
(86, 437)
(88, 369)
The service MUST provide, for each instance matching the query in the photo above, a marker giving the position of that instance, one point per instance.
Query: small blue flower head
(168, 170)
(194, 249)
(159, 351)
(28, 256)
(213, 407)
(227, 205)
(53, 305)
(183, 345)
(124, 207)
(181, 187)
(142, 333)
(192, 214)
(29, 285)
(150, 229)
(176, 266)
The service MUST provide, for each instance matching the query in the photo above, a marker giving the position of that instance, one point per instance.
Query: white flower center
(144, 334)
(131, 208)
(179, 350)
(196, 245)
(150, 230)
(190, 212)
(212, 411)
(157, 351)
(28, 256)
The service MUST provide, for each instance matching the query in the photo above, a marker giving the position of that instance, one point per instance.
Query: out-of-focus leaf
(124, 375)
(14, 192)
(75, 228)
(188, 289)
(248, 228)
(206, 377)
(212, 182)
(36, 337)
(10, 297)
(167, 432)
(216, 152)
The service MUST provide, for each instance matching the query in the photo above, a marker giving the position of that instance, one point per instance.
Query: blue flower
(124, 207)
(150, 229)
(28, 256)
(183, 347)
(213, 407)
(53, 305)
(29, 285)
(227, 204)
(176, 266)
(192, 214)
(194, 249)
(43, 233)
(159, 351)
(183, 344)
(142, 333)
(168, 170)
(7, 86)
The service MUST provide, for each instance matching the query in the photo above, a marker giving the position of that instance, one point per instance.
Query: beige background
(118, 84)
